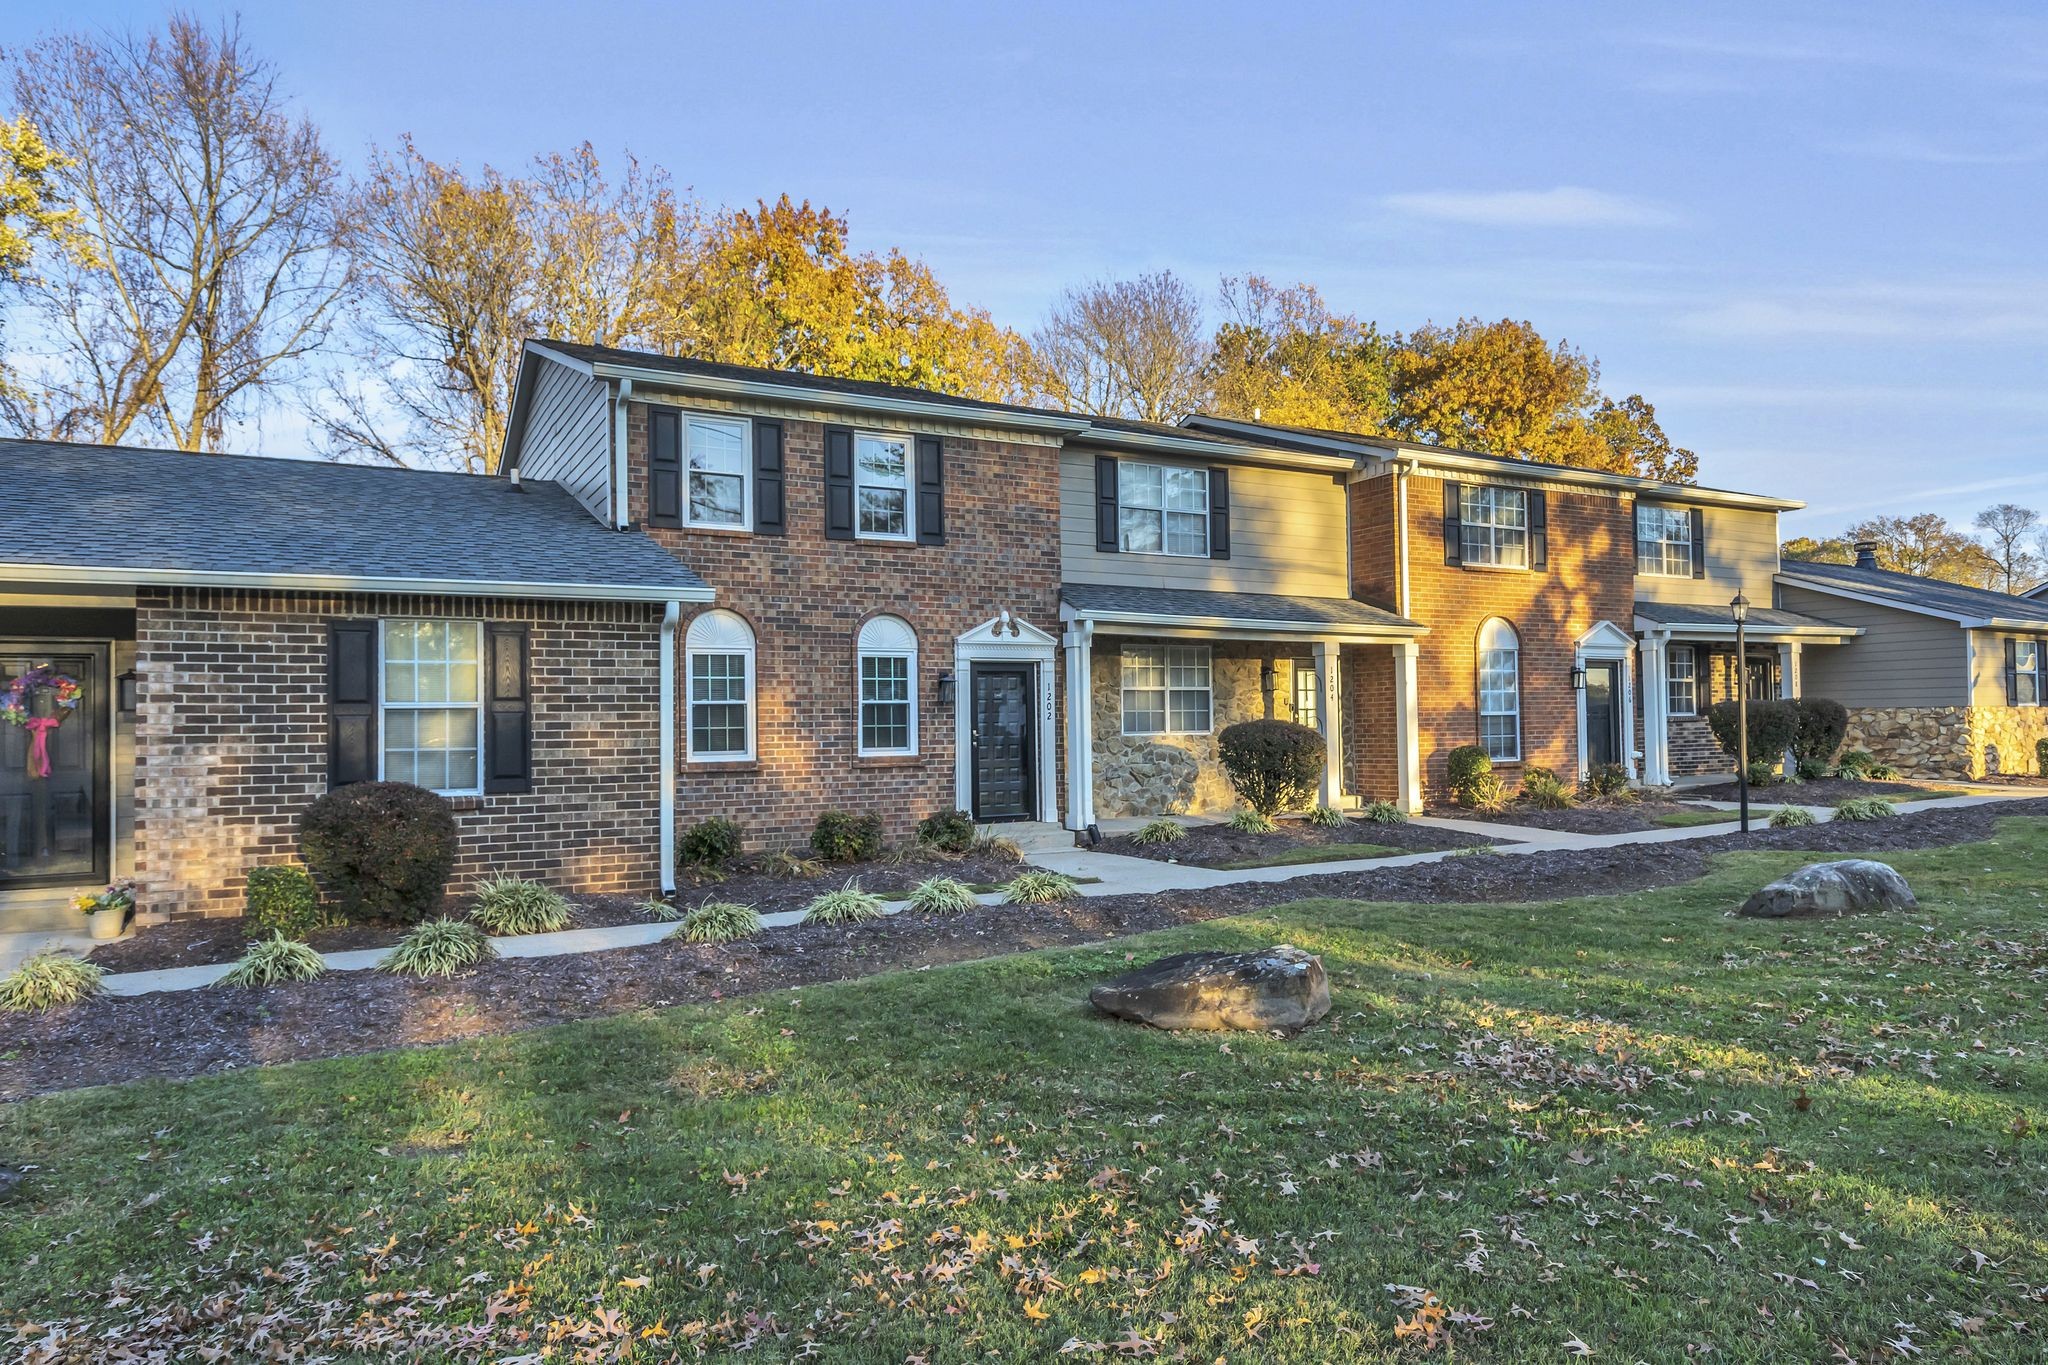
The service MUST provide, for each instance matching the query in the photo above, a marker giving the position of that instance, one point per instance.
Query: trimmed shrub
(1383, 813)
(1471, 778)
(1761, 773)
(843, 837)
(1274, 765)
(1823, 725)
(1249, 821)
(272, 960)
(1773, 727)
(942, 896)
(2041, 756)
(1161, 832)
(280, 900)
(1865, 808)
(1326, 817)
(709, 843)
(380, 850)
(848, 905)
(511, 905)
(1543, 789)
(1809, 770)
(1039, 888)
(440, 947)
(718, 922)
(1606, 782)
(1792, 817)
(1856, 765)
(949, 831)
(49, 980)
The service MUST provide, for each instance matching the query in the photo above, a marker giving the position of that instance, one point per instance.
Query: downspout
(1401, 469)
(671, 618)
(622, 493)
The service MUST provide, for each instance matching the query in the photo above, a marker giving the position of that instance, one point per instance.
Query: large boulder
(1280, 988)
(1838, 888)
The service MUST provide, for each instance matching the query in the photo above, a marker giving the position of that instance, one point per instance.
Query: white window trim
(2039, 672)
(1166, 690)
(1206, 513)
(909, 444)
(1685, 518)
(1306, 668)
(1465, 558)
(691, 653)
(746, 521)
(860, 703)
(385, 704)
(1479, 688)
(1692, 656)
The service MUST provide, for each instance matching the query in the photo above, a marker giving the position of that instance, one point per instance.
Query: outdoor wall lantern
(124, 692)
(1578, 677)
(945, 687)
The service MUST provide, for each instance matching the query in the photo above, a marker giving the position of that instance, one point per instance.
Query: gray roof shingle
(1760, 618)
(1233, 606)
(170, 516)
(1909, 593)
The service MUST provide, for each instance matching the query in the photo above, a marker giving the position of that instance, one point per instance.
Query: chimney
(1866, 554)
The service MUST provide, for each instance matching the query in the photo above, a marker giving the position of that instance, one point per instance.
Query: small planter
(101, 925)
(106, 912)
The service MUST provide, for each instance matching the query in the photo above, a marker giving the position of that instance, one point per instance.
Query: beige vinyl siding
(1742, 556)
(1987, 668)
(1902, 659)
(1287, 535)
(568, 436)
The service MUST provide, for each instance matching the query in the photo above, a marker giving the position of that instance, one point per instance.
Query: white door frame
(1007, 639)
(1607, 643)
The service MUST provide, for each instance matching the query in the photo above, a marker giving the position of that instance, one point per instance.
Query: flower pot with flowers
(106, 912)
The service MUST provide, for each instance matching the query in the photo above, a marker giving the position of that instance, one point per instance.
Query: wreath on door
(15, 704)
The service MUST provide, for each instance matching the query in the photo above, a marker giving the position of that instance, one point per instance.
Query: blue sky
(1814, 241)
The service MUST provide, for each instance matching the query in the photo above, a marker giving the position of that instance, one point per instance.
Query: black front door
(53, 764)
(1003, 744)
(1603, 714)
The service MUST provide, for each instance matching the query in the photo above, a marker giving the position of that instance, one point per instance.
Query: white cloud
(1566, 206)
(1912, 147)
(1951, 311)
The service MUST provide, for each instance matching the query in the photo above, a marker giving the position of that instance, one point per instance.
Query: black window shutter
(1699, 543)
(931, 491)
(351, 702)
(1219, 514)
(664, 467)
(768, 514)
(508, 713)
(1539, 529)
(1635, 517)
(1454, 529)
(839, 483)
(2012, 672)
(1105, 504)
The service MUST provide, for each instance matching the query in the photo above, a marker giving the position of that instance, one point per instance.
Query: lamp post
(1739, 608)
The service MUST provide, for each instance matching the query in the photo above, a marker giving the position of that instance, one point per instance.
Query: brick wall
(806, 596)
(1590, 577)
(231, 743)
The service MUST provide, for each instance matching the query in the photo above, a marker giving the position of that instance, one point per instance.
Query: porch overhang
(1194, 613)
(1766, 625)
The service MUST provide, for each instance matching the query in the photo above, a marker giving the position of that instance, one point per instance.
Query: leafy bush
(848, 905)
(942, 896)
(1809, 770)
(510, 905)
(1761, 773)
(272, 960)
(49, 980)
(718, 922)
(1856, 765)
(949, 831)
(1472, 782)
(1823, 725)
(380, 850)
(1607, 781)
(439, 947)
(280, 900)
(1773, 727)
(710, 843)
(1161, 832)
(1543, 789)
(1865, 808)
(998, 848)
(1274, 765)
(1326, 817)
(1039, 888)
(843, 837)
(2041, 756)
(1791, 817)
(1249, 821)
(1383, 813)
(1883, 772)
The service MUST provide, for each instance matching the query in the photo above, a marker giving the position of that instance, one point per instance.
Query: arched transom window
(1500, 691)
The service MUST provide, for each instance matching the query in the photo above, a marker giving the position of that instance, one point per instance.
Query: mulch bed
(1825, 791)
(1220, 845)
(189, 1033)
(1591, 817)
(754, 880)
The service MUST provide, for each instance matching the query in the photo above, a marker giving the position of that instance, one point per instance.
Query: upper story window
(432, 705)
(1500, 691)
(720, 469)
(1493, 526)
(720, 649)
(1162, 509)
(1682, 669)
(1166, 690)
(887, 696)
(881, 486)
(2026, 673)
(1663, 541)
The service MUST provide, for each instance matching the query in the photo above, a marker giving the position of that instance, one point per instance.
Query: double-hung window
(1500, 691)
(887, 687)
(881, 486)
(720, 468)
(1166, 690)
(1493, 526)
(2029, 673)
(1308, 692)
(432, 705)
(720, 650)
(1663, 541)
(1681, 667)
(1162, 510)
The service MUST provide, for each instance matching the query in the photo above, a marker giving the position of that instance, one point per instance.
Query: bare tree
(1124, 348)
(218, 230)
(2007, 529)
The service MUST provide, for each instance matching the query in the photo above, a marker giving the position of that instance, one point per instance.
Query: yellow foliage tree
(30, 208)
(1282, 356)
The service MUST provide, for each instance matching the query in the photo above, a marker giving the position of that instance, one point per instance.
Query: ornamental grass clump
(1038, 887)
(942, 896)
(998, 848)
(1543, 789)
(1855, 765)
(656, 908)
(1792, 817)
(1326, 817)
(440, 947)
(1161, 832)
(1249, 821)
(272, 960)
(513, 905)
(48, 981)
(848, 905)
(718, 922)
(1865, 808)
(1383, 813)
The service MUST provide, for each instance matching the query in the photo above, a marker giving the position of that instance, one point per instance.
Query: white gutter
(622, 495)
(1683, 630)
(285, 582)
(670, 619)
(1348, 630)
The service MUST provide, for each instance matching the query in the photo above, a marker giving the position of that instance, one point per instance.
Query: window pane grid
(1684, 693)
(431, 718)
(2028, 689)
(1664, 542)
(1500, 703)
(1167, 690)
(1494, 527)
(885, 702)
(717, 459)
(882, 485)
(718, 705)
(1162, 510)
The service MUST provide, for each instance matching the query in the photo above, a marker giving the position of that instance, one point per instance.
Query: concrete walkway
(1044, 846)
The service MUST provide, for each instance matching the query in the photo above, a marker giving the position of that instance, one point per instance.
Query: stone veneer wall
(1951, 741)
(2013, 733)
(1179, 774)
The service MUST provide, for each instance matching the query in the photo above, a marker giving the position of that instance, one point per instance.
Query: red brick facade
(231, 742)
(805, 598)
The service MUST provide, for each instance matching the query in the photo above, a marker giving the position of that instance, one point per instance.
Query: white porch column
(1331, 708)
(1655, 651)
(1080, 646)
(1407, 729)
(1788, 690)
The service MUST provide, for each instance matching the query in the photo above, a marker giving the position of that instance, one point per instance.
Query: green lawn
(1314, 853)
(1685, 819)
(1634, 1123)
